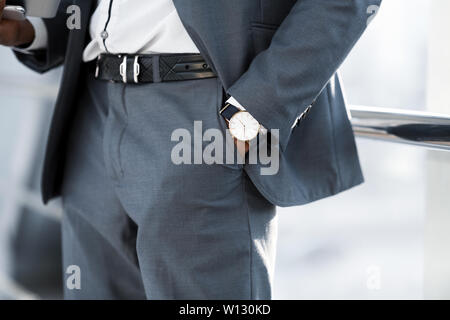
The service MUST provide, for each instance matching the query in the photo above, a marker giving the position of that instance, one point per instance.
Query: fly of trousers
(139, 226)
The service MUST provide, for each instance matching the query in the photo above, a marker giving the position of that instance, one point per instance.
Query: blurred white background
(367, 243)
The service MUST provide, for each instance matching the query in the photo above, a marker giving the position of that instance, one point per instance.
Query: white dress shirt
(136, 26)
(131, 26)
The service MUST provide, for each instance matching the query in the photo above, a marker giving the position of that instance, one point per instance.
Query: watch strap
(229, 111)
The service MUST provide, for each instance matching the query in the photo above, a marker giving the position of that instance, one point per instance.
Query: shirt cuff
(40, 36)
(235, 103)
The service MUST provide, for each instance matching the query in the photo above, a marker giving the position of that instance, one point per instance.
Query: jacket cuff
(270, 116)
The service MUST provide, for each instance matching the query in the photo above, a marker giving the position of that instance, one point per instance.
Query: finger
(241, 147)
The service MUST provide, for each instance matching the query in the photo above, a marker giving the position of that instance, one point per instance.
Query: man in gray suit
(139, 224)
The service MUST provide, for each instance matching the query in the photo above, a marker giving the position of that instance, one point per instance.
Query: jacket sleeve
(52, 56)
(305, 52)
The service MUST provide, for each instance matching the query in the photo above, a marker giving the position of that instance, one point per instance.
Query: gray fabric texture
(141, 227)
(276, 57)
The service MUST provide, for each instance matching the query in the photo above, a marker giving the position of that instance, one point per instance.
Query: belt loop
(136, 69)
(97, 66)
(155, 65)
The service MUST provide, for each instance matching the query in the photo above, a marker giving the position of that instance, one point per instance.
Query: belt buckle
(136, 69)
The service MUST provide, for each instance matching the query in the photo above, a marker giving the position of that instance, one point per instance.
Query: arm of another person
(52, 34)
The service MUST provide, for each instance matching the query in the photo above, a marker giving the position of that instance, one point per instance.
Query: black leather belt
(152, 68)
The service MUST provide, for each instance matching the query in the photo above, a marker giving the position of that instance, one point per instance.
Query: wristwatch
(241, 123)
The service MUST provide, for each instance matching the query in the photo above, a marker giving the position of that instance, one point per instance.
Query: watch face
(243, 126)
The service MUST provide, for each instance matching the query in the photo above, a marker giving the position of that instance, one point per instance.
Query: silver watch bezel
(234, 115)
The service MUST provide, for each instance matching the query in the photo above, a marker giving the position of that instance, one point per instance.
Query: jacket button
(104, 35)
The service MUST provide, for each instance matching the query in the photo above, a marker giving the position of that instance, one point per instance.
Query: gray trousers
(140, 227)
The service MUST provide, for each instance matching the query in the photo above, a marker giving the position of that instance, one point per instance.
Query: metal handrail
(423, 129)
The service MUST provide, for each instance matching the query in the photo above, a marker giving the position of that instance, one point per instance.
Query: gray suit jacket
(276, 57)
